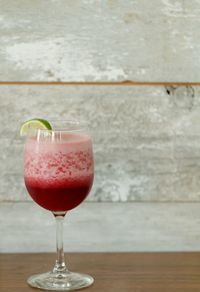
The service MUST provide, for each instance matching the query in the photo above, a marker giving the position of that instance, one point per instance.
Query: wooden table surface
(116, 272)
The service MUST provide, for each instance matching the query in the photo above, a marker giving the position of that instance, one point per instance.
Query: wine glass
(58, 174)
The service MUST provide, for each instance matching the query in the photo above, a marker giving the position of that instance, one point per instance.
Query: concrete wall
(89, 40)
(146, 139)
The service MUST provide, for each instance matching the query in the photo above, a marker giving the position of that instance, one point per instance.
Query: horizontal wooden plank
(101, 83)
(99, 40)
(146, 139)
(169, 272)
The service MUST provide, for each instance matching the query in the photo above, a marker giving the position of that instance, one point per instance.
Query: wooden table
(113, 272)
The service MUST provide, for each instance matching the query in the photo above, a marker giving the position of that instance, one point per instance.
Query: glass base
(66, 281)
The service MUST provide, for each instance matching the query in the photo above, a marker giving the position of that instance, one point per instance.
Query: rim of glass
(67, 126)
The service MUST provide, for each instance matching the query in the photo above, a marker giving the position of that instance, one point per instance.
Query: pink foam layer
(69, 158)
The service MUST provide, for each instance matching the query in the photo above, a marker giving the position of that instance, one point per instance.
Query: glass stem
(60, 266)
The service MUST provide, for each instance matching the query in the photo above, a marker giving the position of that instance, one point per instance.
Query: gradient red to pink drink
(58, 173)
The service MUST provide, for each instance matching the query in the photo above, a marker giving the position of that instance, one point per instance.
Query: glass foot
(66, 281)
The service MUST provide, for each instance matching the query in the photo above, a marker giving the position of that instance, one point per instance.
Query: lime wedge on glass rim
(34, 124)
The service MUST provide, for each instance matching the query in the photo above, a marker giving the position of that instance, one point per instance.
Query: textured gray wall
(146, 139)
(156, 40)
(102, 227)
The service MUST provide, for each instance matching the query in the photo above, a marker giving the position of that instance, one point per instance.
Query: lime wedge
(34, 124)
